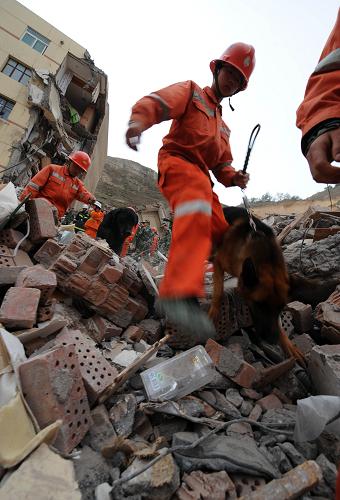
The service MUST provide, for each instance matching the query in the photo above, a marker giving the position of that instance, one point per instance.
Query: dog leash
(251, 143)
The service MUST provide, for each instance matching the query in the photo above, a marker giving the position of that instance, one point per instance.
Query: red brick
(238, 370)
(100, 328)
(302, 316)
(98, 292)
(133, 333)
(8, 275)
(152, 330)
(116, 300)
(19, 307)
(48, 253)
(270, 402)
(78, 284)
(6, 257)
(40, 278)
(76, 248)
(121, 318)
(255, 413)
(53, 388)
(111, 274)
(64, 268)
(142, 311)
(10, 237)
(46, 312)
(97, 373)
(131, 281)
(94, 259)
(22, 259)
(42, 223)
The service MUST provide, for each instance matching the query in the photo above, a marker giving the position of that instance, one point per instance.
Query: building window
(6, 107)
(35, 40)
(17, 71)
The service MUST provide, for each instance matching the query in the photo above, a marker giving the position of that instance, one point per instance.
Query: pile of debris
(78, 328)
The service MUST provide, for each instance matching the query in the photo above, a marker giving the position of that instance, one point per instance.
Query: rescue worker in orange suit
(198, 141)
(155, 239)
(318, 116)
(96, 218)
(60, 185)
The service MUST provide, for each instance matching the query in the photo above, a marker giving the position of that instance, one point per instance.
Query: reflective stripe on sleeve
(164, 106)
(329, 63)
(193, 207)
(34, 186)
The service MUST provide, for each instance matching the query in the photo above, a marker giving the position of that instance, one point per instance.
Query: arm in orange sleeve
(321, 102)
(36, 183)
(223, 171)
(162, 105)
(83, 194)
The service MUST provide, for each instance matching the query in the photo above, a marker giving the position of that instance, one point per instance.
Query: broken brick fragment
(40, 278)
(48, 253)
(230, 365)
(53, 388)
(97, 373)
(42, 221)
(19, 307)
(133, 333)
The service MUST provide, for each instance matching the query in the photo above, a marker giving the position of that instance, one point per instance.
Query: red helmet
(81, 159)
(241, 56)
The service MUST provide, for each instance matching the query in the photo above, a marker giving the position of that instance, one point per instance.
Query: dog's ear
(248, 274)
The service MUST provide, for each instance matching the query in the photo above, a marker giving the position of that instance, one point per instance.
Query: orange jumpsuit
(55, 184)
(322, 96)
(198, 141)
(154, 244)
(92, 224)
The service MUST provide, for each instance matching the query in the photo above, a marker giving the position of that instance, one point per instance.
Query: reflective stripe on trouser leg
(189, 193)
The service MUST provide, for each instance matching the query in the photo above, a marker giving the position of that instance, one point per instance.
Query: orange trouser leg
(189, 193)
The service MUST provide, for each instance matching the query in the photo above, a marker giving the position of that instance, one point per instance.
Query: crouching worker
(96, 218)
(198, 141)
(60, 185)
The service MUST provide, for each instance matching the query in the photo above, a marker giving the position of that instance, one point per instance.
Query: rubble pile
(78, 328)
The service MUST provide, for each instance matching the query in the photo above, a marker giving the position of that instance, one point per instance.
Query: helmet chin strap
(219, 95)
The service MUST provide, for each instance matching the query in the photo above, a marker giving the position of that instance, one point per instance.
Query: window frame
(13, 64)
(3, 106)
(38, 37)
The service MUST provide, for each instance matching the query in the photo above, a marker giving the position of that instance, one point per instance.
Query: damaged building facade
(53, 99)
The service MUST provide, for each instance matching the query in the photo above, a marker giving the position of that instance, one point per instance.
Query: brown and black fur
(255, 258)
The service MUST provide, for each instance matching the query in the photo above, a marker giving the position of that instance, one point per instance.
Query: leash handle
(251, 143)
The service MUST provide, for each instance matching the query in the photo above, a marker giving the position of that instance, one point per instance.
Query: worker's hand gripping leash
(251, 143)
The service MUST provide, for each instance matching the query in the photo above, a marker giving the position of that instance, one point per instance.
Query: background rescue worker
(144, 239)
(165, 239)
(198, 141)
(318, 116)
(154, 242)
(129, 239)
(81, 218)
(96, 218)
(60, 185)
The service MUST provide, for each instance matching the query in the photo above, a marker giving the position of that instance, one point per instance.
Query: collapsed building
(53, 99)
(79, 330)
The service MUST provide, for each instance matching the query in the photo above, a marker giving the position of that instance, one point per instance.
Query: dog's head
(264, 283)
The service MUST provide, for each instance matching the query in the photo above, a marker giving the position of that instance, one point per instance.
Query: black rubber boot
(187, 315)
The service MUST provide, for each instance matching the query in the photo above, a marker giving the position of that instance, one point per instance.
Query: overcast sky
(144, 45)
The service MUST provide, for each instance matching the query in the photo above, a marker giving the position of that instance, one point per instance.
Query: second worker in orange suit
(198, 142)
(60, 185)
(96, 218)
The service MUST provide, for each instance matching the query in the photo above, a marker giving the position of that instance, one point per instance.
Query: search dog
(254, 256)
